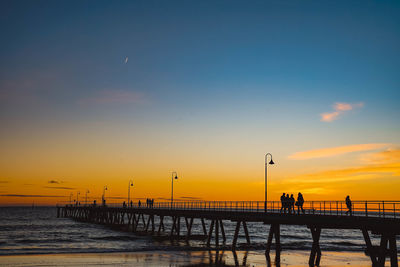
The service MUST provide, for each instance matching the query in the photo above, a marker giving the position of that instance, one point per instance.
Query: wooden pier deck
(377, 217)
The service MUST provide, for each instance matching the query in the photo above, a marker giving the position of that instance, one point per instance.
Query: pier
(376, 217)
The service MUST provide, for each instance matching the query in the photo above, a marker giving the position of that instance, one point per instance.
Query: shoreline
(184, 258)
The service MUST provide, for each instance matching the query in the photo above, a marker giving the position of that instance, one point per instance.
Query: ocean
(37, 231)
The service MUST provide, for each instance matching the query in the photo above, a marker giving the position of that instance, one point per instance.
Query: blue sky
(218, 74)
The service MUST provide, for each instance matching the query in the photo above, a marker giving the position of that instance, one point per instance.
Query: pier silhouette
(377, 217)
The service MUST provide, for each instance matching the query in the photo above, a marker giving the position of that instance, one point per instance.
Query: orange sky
(365, 171)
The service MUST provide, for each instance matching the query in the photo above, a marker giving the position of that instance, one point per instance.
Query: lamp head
(176, 176)
(131, 184)
(271, 162)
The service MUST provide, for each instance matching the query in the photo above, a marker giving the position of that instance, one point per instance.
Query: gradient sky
(95, 93)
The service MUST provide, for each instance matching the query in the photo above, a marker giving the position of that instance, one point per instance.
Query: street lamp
(87, 191)
(174, 176)
(129, 190)
(104, 194)
(77, 197)
(266, 167)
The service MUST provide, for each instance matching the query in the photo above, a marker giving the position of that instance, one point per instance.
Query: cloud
(53, 182)
(334, 151)
(108, 97)
(389, 155)
(339, 109)
(191, 198)
(379, 164)
(59, 187)
(19, 195)
(349, 174)
(116, 197)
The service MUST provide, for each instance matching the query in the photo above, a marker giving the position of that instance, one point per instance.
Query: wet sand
(185, 258)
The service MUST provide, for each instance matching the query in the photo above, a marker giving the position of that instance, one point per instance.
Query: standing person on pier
(348, 204)
(299, 203)
(283, 203)
(291, 202)
(287, 203)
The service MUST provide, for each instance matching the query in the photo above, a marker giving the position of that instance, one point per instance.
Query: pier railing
(383, 209)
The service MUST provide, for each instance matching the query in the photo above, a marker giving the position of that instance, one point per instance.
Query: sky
(97, 93)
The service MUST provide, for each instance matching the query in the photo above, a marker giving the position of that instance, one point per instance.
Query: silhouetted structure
(379, 217)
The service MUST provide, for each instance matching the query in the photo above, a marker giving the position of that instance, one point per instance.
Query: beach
(184, 258)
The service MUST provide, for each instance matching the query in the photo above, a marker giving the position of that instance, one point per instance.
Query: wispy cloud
(389, 155)
(59, 187)
(191, 198)
(339, 109)
(116, 197)
(108, 97)
(19, 195)
(382, 163)
(334, 151)
(53, 182)
(349, 174)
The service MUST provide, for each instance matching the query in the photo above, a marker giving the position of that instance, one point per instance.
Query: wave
(345, 243)
(41, 241)
(115, 238)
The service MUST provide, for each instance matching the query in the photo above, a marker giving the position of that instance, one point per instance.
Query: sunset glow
(206, 92)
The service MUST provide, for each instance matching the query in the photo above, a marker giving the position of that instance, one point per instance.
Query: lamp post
(129, 190)
(174, 176)
(87, 191)
(266, 175)
(103, 198)
(77, 197)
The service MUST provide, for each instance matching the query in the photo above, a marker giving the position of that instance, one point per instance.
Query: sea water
(25, 230)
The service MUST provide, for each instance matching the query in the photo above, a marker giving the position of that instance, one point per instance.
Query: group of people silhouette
(150, 202)
(288, 203)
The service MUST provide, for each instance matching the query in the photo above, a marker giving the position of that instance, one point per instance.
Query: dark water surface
(38, 231)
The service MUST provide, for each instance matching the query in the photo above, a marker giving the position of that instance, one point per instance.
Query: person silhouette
(300, 202)
(291, 204)
(348, 204)
(287, 203)
(282, 203)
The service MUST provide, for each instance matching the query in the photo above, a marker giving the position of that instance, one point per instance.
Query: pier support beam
(274, 231)
(235, 237)
(315, 255)
(161, 225)
(369, 247)
(222, 231)
(388, 239)
(176, 226)
(210, 232)
(393, 251)
(203, 224)
(189, 224)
